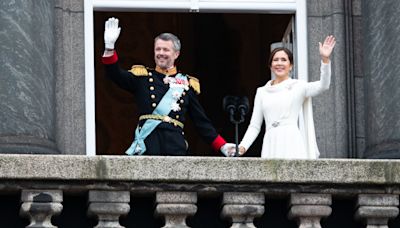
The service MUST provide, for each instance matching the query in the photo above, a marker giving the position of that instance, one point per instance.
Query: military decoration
(177, 83)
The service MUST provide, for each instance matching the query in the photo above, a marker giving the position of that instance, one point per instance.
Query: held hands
(242, 150)
(228, 149)
(325, 49)
(111, 33)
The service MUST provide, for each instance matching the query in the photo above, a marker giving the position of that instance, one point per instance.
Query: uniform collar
(170, 71)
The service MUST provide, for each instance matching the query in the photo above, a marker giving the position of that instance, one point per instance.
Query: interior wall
(227, 52)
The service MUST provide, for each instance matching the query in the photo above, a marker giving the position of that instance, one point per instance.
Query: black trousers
(164, 141)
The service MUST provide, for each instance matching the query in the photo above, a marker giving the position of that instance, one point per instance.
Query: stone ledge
(199, 169)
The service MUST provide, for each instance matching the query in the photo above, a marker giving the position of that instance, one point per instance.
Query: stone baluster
(308, 209)
(242, 207)
(40, 205)
(108, 206)
(375, 210)
(175, 207)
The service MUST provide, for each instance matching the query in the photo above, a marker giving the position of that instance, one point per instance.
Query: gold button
(154, 105)
(151, 80)
(153, 96)
(151, 87)
(177, 116)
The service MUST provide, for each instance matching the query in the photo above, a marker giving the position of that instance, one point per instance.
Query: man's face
(165, 54)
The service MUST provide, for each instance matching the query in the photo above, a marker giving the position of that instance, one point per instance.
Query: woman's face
(281, 65)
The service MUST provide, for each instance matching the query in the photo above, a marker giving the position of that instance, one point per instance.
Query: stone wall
(331, 108)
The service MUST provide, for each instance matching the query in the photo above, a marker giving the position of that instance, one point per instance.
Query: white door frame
(296, 7)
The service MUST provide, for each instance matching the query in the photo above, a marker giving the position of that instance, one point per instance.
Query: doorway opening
(227, 52)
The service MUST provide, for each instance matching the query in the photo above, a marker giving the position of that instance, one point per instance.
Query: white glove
(228, 149)
(111, 33)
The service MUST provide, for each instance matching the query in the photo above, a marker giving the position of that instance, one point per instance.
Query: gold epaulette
(194, 83)
(139, 70)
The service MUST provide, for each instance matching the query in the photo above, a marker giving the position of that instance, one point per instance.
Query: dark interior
(226, 52)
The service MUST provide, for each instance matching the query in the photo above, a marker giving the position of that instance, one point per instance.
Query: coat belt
(166, 119)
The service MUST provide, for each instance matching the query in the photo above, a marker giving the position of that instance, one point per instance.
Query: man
(164, 96)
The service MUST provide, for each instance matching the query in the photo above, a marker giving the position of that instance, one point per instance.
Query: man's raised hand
(111, 33)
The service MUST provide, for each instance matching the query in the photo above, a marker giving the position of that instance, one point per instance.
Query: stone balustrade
(244, 191)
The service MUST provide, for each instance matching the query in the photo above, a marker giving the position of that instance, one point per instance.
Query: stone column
(382, 78)
(108, 206)
(308, 209)
(175, 207)
(40, 205)
(242, 207)
(375, 210)
(27, 105)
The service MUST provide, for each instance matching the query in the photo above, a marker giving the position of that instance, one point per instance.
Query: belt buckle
(167, 119)
(275, 124)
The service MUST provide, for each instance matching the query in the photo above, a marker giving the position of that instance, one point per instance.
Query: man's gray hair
(170, 37)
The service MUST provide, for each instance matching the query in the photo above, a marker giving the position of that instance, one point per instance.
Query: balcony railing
(122, 191)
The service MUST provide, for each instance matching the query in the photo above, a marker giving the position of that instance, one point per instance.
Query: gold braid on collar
(170, 71)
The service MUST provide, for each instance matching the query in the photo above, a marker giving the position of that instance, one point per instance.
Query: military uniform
(149, 86)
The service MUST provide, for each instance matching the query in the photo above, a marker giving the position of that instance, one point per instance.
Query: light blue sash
(163, 108)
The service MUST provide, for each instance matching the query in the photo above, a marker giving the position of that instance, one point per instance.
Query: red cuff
(218, 143)
(110, 59)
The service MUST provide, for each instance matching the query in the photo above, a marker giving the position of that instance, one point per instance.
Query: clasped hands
(229, 150)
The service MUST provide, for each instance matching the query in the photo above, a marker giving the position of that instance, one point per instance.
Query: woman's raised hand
(325, 49)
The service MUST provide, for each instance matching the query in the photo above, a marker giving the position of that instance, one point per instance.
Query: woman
(279, 103)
